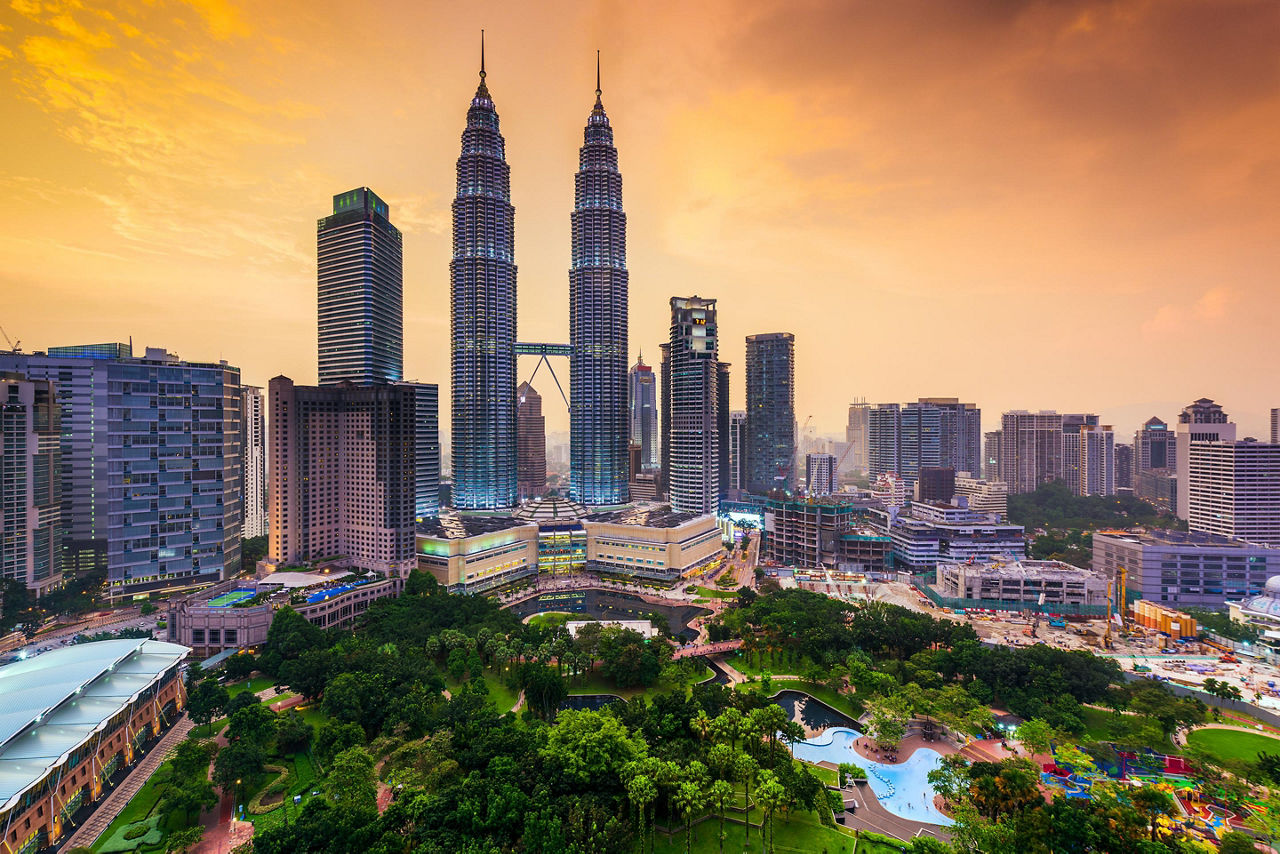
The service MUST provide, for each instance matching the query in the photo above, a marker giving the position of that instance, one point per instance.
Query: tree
(206, 700)
(184, 840)
(293, 733)
(641, 791)
(189, 795)
(1153, 803)
(191, 758)
(951, 778)
(888, 722)
(289, 636)
(1267, 820)
(688, 801)
(237, 763)
(1036, 736)
(744, 768)
(332, 738)
(350, 781)
(588, 749)
(239, 666)
(771, 795)
(255, 723)
(1235, 842)
(721, 791)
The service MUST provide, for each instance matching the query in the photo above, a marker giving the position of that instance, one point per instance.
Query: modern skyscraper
(1233, 489)
(598, 318)
(30, 483)
(1154, 446)
(1124, 466)
(360, 271)
(1088, 453)
(642, 403)
(737, 432)
(426, 456)
(820, 474)
(770, 446)
(959, 432)
(1030, 449)
(341, 479)
(1200, 421)
(856, 434)
(482, 281)
(690, 371)
(531, 443)
(722, 426)
(253, 454)
(151, 462)
(933, 432)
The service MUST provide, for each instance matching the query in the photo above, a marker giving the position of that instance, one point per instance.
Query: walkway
(695, 650)
(88, 833)
(871, 815)
(906, 747)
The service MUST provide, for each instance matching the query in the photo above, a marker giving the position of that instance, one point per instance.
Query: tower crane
(15, 346)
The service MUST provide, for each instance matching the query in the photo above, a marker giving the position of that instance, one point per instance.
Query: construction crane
(15, 346)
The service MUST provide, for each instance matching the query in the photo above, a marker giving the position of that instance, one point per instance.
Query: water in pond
(812, 714)
(610, 605)
(591, 702)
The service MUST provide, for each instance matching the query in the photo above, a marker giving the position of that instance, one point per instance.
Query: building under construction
(824, 533)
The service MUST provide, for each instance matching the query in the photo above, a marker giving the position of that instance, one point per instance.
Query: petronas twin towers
(483, 317)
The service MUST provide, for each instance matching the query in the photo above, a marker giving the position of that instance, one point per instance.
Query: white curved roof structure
(53, 703)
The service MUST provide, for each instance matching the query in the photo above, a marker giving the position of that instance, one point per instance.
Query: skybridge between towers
(542, 351)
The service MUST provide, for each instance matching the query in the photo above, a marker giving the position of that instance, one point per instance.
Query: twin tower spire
(482, 281)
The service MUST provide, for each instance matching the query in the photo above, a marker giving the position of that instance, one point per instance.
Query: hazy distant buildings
(770, 446)
(253, 454)
(1124, 467)
(1200, 421)
(482, 282)
(1030, 449)
(642, 403)
(1088, 457)
(991, 456)
(933, 432)
(691, 441)
(1275, 426)
(857, 435)
(341, 478)
(360, 273)
(531, 443)
(30, 483)
(820, 474)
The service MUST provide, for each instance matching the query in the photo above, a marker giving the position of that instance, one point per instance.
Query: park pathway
(88, 833)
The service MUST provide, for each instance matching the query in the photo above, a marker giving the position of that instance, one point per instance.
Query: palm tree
(721, 791)
(729, 722)
(771, 795)
(642, 792)
(688, 801)
(744, 768)
(701, 724)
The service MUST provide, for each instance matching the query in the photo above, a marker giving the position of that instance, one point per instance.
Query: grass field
(1233, 744)
(713, 593)
(798, 832)
(1103, 725)
(256, 684)
(138, 808)
(503, 697)
(755, 663)
(550, 619)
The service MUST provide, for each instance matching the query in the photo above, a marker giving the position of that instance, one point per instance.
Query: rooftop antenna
(481, 54)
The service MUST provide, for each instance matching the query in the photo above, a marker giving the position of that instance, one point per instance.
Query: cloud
(1171, 320)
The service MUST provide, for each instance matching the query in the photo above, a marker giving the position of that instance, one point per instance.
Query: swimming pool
(903, 788)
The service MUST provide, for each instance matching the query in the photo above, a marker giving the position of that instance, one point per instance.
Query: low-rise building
(931, 533)
(472, 553)
(984, 496)
(1181, 569)
(652, 542)
(829, 532)
(237, 614)
(1262, 611)
(1023, 582)
(73, 717)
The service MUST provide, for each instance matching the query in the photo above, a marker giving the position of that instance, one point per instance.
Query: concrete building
(73, 718)
(933, 432)
(722, 428)
(990, 497)
(691, 439)
(1124, 467)
(1023, 582)
(253, 454)
(991, 456)
(1088, 458)
(426, 456)
(1030, 449)
(927, 534)
(1186, 569)
(531, 443)
(341, 478)
(472, 554)
(737, 432)
(360, 277)
(936, 485)
(820, 474)
(1275, 426)
(770, 446)
(823, 533)
(651, 543)
(642, 406)
(1200, 421)
(237, 614)
(1233, 489)
(30, 483)
(1154, 447)
(857, 435)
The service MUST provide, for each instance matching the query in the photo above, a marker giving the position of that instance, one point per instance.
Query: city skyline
(1159, 206)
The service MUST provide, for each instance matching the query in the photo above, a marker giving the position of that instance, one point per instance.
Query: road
(127, 618)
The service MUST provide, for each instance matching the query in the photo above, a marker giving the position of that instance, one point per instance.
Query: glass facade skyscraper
(360, 274)
(598, 317)
(643, 403)
(691, 440)
(769, 447)
(482, 294)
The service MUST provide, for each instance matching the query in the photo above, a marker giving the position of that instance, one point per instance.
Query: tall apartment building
(1088, 458)
(1154, 446)
(737, 432)
(151, 464)
(531, 443)
(1124, 467)
(933, 432)
(30, 483)
(360, 272)
(691, 441)
(1200, 421)
(1030, 449)
(426, 464)
(253, 454)
(482, 316)
(857, 435)
(820, 474)
(1275, 426)
(722, 427)
(642, 405)
(990, 456)
(1233, 489)
(341, 480)
(770, 447)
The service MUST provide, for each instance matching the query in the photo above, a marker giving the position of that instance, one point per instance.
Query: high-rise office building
(722, 427)
(30, 483)
(1154, 446)
(737, 432)
(664, 417)
(253, 455)
(151, 467)
(990, 457)
(360, 272)
(691, 444)
(857, 436)
(426, 456)
(1124, 467)
(642, 403)
(1275, 426)
(770, 447)
(1030, 449)
(933, 432)
(598, 317)
(1088, 454)
(1200, 421)
(531, 443)
(482, 282)
(959, 432)
(820, 474)
(341, 479)
(1233, 489)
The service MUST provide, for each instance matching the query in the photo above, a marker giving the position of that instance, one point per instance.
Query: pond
(589, 702)
(610, 605)
(813, 715)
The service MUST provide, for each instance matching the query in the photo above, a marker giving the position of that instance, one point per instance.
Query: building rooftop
(648, 516)
(1008, 567)
(53, 703)
(1169, 537)
(551, 508)
(458, 527)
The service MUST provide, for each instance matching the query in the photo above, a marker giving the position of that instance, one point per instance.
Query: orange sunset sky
(1071, 205)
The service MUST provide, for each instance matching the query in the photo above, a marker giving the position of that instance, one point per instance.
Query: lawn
(503, 697)
(1233, 744)
(550, 619)
(597, 684)
(839, 702)
(713, 593)
(755, 663)
(138, 807)
(255, 684)
(799, 832)
(1103, 725)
